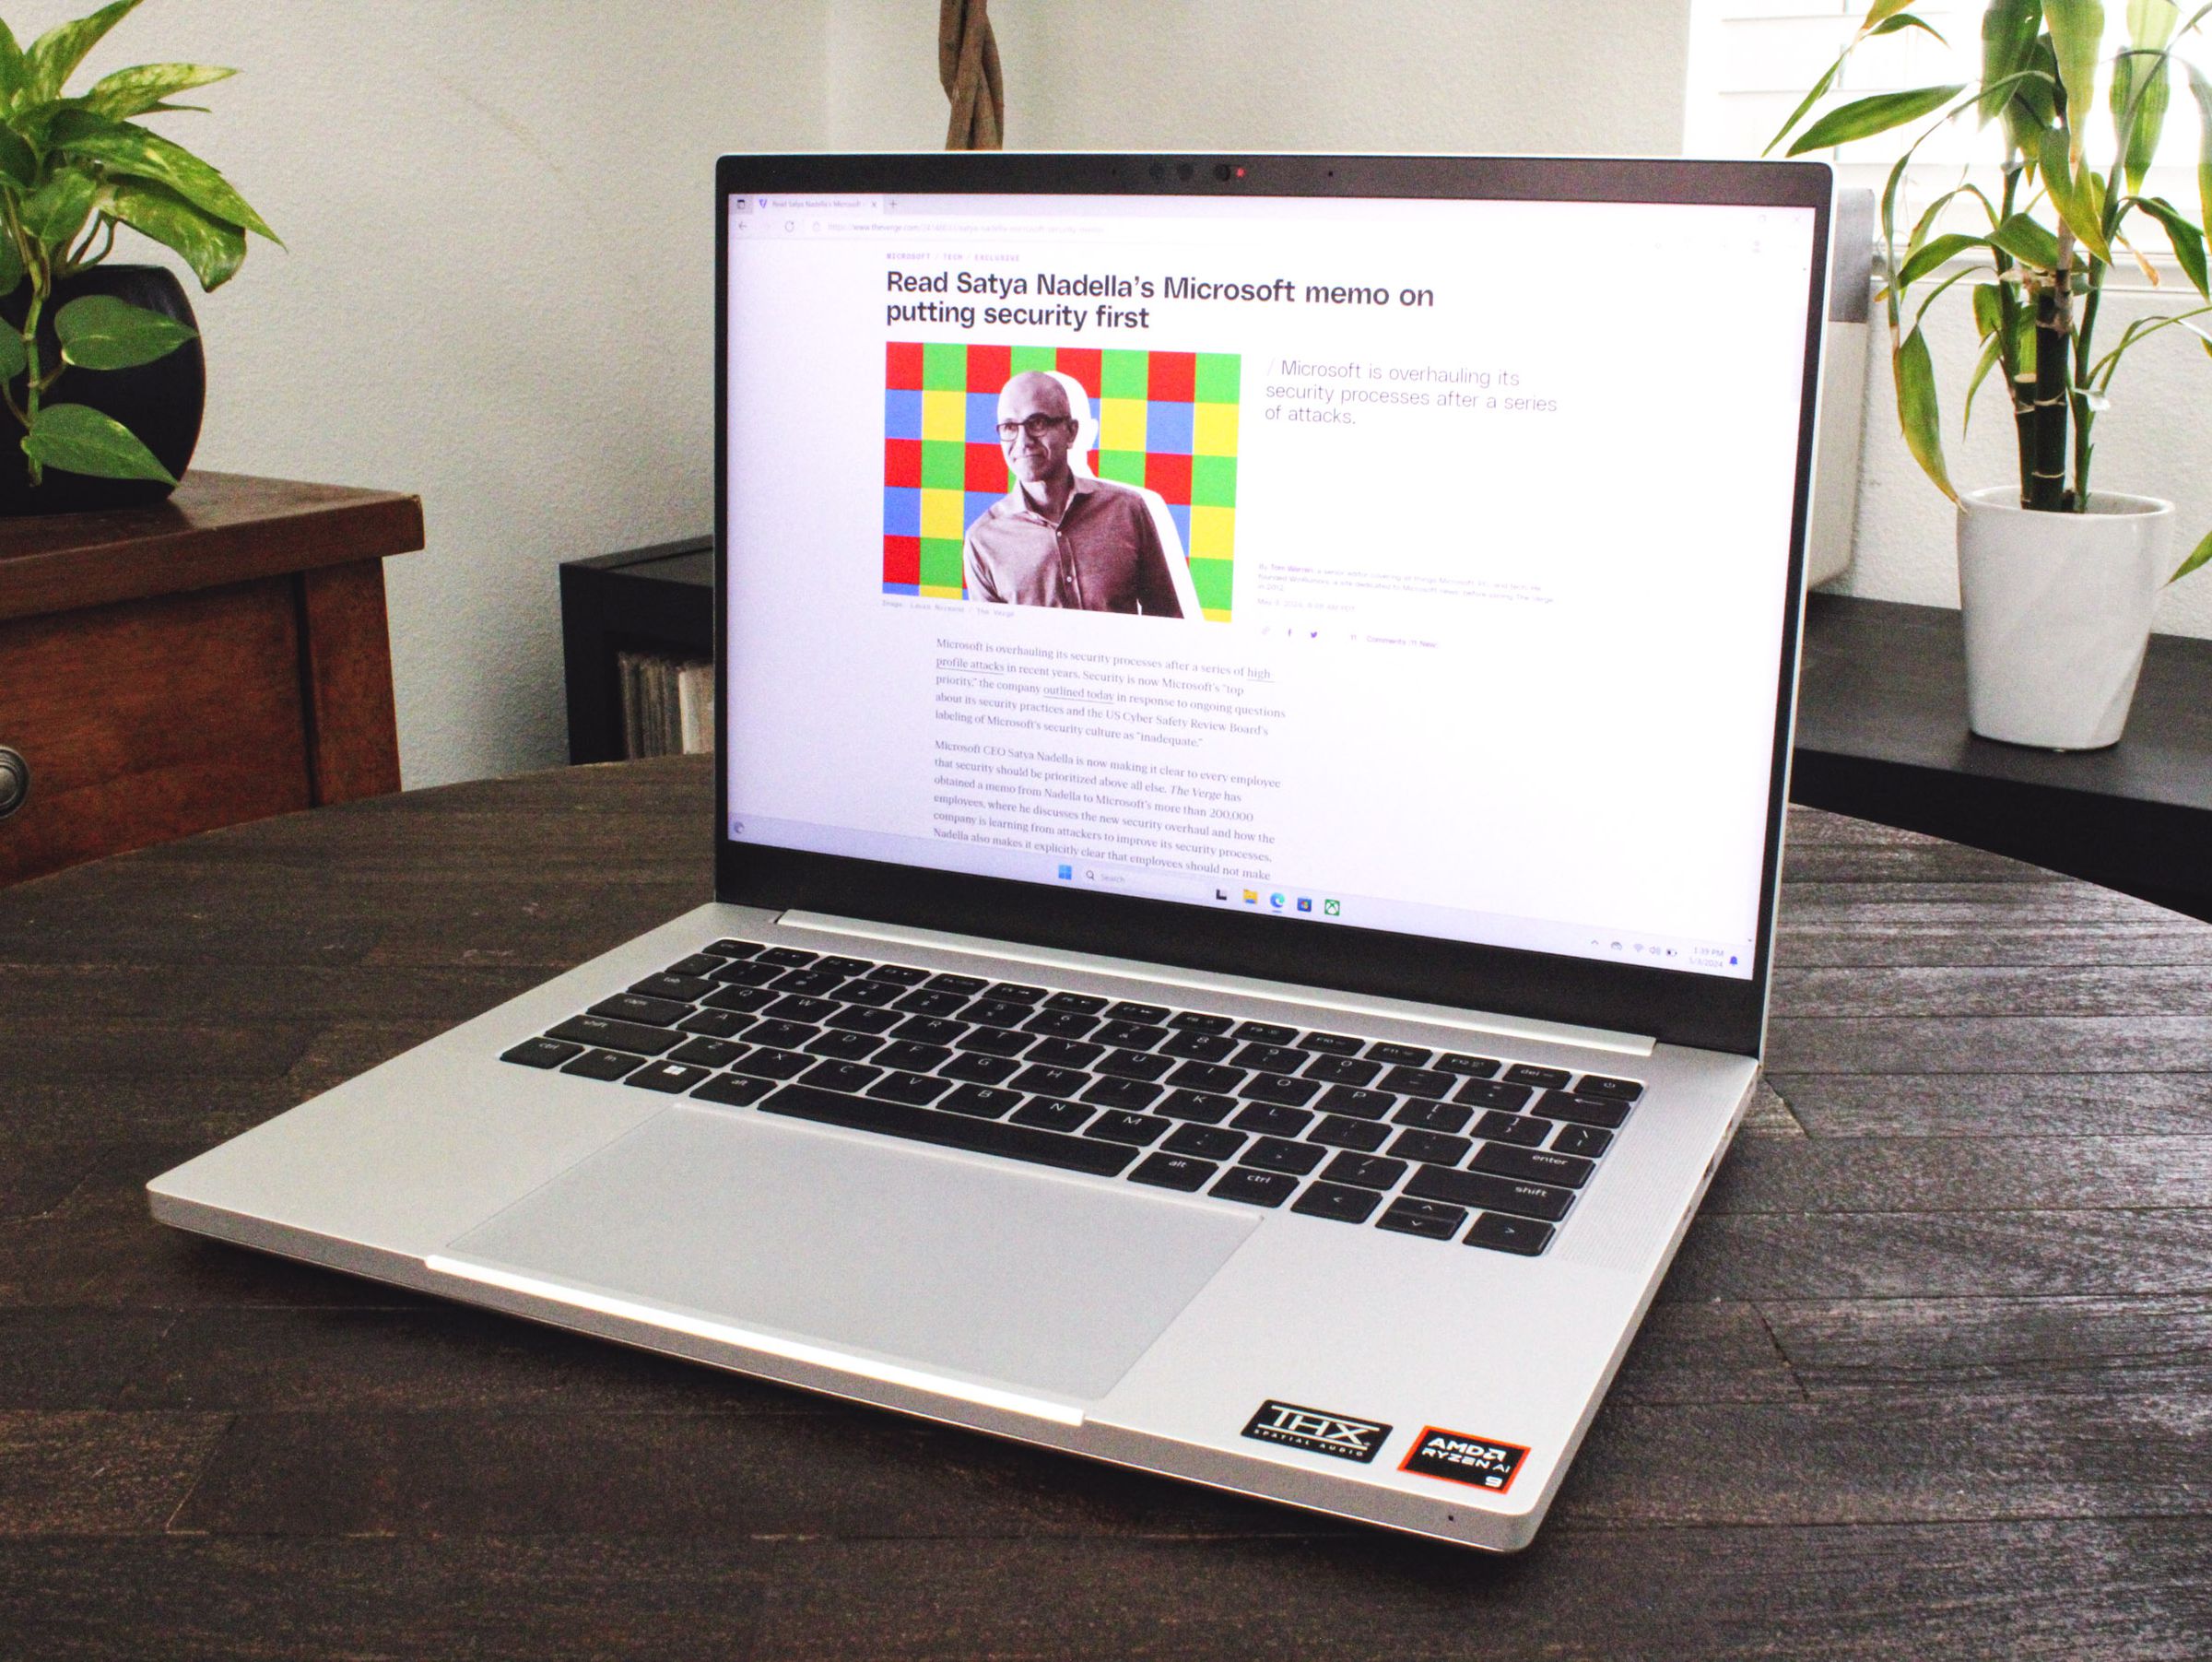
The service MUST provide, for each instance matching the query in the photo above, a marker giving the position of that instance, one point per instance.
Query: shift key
(1491, 1194)
(632, 1036)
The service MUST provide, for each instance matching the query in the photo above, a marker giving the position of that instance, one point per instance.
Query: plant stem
(2008, 320)
(2084, 417)
(2053, 313)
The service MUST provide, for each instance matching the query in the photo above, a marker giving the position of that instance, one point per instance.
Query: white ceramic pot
(2056, 608)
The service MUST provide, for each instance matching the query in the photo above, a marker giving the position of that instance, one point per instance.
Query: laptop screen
(1406, 565)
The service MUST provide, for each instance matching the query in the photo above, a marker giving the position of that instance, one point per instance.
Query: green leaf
(79, 439)
(1989, 310)
(2077, 34)
(2150, 23)
(133, 151)
(1916, 411)
(99, 332)
(2075, 193)
(2008, 30)
(1808, 101)
(57, 53)
(11, 266)
(17, 159)
(2188, 240)
(2197, 557)
(1907, 20)
(14, 75)
(55, 212)
(1934, 253)
(1991, 352)
(1881, 12)
(13, 360)
(130, 92)
(2027, 243)
(1862, 118)
(2200, 90)
(215, 250)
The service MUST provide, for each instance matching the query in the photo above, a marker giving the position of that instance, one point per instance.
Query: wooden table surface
(1932, 1376)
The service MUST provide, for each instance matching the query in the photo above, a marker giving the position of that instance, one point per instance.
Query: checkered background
(1166, 421)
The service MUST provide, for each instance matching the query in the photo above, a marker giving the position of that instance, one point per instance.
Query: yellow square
(1213, 531)
(931, 591)
(1121, 424)
(945, 416)
(1214, 430)
(944, 513)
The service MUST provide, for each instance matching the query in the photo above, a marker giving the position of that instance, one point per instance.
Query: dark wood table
(1932, 1377)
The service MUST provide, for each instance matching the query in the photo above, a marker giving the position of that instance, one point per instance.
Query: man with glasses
(1061, 537)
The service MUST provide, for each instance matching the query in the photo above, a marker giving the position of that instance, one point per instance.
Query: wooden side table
(219, 659)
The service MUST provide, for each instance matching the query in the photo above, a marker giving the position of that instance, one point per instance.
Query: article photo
(1100, 481)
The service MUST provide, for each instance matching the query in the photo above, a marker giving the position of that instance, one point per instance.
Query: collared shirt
(1103, 555)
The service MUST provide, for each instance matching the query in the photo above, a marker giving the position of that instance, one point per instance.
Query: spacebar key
(950, 1130)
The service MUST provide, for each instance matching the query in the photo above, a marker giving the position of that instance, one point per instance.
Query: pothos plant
(71, 170)
(2055, 224)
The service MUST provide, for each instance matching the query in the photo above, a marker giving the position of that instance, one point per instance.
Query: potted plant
(100, 364)
(2056, 582)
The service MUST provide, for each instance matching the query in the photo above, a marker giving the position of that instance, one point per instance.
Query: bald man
(1060, 538)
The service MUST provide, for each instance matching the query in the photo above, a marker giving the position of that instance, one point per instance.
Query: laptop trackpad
(1012, 1275)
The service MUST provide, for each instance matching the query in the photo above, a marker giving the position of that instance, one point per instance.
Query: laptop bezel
(1672, 1006)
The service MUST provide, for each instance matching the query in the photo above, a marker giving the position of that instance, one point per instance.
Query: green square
(1209, 577)
(1213, 479)
(1125, 465)
(1217, 377)
(944, 465)
(1036, 358)
(1124, 376)
(944, 369)
(941, 566)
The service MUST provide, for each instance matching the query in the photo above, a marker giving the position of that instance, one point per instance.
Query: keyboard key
(1049, 1081)
(1343, 1070)
(1199, 1047)
(1254, 1188)
(734, 1090)
(845, 1048)
(995, 1012)
(877, 994)
(1060, 1024)
(1080, 1004)
(1502, 1234)
(1493, 1093)
(996, 1041)
(732, 949)
(1358, 1103)
(1202, 1106)
(1197, 1021)
(1132, 1065)
(899, 974)
(912, 1057)
(1333, 1045)
(1063, 1053)
(1417, 1081)
(967, 986)
(845, 966)
(1110, 1092)
(950, 1130)
(1015, 991)
(1364, 1171)
(1340, 1132)
(980, 1069)
(860, 1019)
(810, 982)
(653, 1012)
(772, 1063)
(1403, 1055)
(1499, 1127)
(802, 1009)
(1620, 1090)
(682, 989)
(1334, 1201)
(739, 999)
(1051, 1115)
(1131, 1035)
(1266, 1032)
(715, 1024)
(1585, 1140)
(598, 1031)
(541, 1053)
(601, 1065)
(1430, 1147)
(923, 1001)
(1535, 1164)
(1274, 1154)
(1583, 1110)
(707, 1052)
(1153, 1014)
(1207, 1076)
(1270, 1058)
(1431, 1220)
(1459, 1061)
(983, 1102)
(1432, 1116)
(780, 1034)
(929, 1030)
(789, 957)
(1277, 1088)
(671, 1077)
(1274, 1119)
(1174, 1172)
(914, 1088)
(746, 974)
(1492, 1194)
(842, 1075)
(1117, 1127)
(1527, 1073)
(1208, 1142)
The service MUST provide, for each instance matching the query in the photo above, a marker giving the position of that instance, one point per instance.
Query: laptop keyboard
(1436, 1145)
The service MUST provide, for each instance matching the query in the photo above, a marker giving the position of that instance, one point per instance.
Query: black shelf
(655, 599)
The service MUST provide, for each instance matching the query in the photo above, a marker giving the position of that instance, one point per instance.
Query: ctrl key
(1502, 1233)
(1255, 1187)
(542, 1053)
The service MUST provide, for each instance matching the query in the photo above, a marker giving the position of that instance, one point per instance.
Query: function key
(1502, 1234)
(1197, 1021)
(966, 986)
(1585, 1140)
(1266, 1032)
(846, 966)
(793, 956)
(1523, 1073)
(1583, 1110)
(1598, 1084)
(1079, 1004)
(1333, 1045)
(1150, 1014)
(1404, 1056)
(1016, 991)
(699, 963)
(905, 976)
(1431, 1220)
(601, 1065)
(732, 949)
(1475, 1068)
(1255, 1188)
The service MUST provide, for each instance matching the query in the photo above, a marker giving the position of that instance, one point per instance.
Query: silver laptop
(1252, 734)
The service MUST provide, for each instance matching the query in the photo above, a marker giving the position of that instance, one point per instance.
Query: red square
(902, 560)
(986, 469)
(903, 462)
(1172, 377)
(1171, 475)
(1083, 362)
(1091, 460)
(989, 368)
(902, 366)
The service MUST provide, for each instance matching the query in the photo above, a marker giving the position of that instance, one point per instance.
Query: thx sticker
(1478, 1462)
(1324, 1434)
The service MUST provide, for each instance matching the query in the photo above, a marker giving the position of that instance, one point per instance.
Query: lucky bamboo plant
(71, 170)
(2056, 223)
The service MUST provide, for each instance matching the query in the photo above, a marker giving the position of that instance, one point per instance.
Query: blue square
(902, 588)
(1180, 513)
(1305, 903)
(977, 503)
(901, 511)
(1067, 871)
(982, 418)
(1168, 428)
(901, 413)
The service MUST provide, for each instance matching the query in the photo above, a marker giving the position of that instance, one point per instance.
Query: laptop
(1253, 720)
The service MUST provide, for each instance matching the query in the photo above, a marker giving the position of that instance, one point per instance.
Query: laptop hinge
(1157, 974)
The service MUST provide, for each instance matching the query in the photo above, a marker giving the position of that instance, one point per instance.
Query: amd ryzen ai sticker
(1324, 1434)
(1478, 1462)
